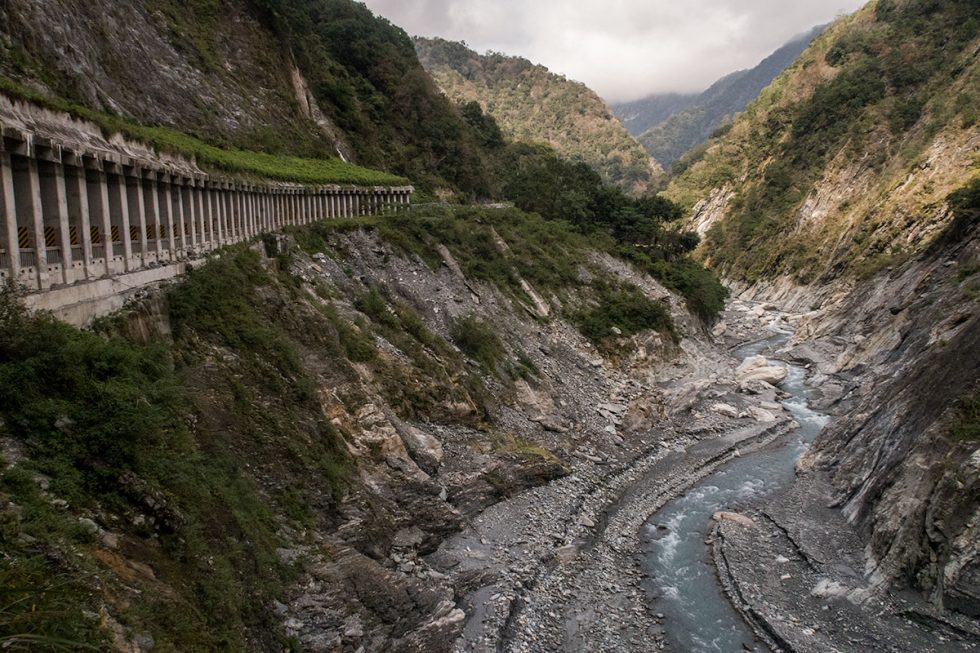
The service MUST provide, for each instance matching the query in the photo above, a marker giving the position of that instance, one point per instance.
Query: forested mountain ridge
(670, 125)
(851, 153)
(534, 105)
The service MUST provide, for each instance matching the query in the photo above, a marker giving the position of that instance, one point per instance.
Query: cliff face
(261, 456)
(315, 79)
(850, 153)
(862, 157)
(534, 105)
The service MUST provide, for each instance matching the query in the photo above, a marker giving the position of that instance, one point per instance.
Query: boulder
(761, 415)
(725, 409)
(758, 368)
(735, 517)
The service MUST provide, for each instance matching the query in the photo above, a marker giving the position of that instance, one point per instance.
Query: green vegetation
(106, 421)
(365, 75)
(966, 427)
(886, 102)
(270, 166)
(479, 341)
(533, 105)
(965, 205)
(624, 309)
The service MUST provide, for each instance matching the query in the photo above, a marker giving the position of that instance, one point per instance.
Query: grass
(163, 139)
(966, 427)
(479, 341)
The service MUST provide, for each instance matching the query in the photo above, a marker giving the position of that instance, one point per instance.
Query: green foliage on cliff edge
(894, 64)
(159, 445)
(365, 75)
(269, 166)
(966, 427)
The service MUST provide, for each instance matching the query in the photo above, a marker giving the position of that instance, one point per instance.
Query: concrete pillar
(179, 226)
(234, 218)
(83, 223)
(194, 208)
(64, 233)
(10, 234)
(105, 220)
(151, 195)
(37, 221)
(203, 215)
(217, 230)
(137, 215)
(167, 206)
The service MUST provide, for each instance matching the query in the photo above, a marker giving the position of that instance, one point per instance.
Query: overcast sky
(623, 49)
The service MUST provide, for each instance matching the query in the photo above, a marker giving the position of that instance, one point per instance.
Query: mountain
(314, 78)
(669, 125)
(849, 193)
(534, 105)
(641, 115)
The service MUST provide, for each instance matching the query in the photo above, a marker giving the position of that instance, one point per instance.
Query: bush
(966, 428)
(479, 341)
(626, 309)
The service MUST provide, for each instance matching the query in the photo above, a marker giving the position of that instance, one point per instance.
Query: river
(684, 586)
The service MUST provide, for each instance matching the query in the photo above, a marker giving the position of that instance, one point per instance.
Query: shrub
(626, 309)
(966, 428)
(479, 341)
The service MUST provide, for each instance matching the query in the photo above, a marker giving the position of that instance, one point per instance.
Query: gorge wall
(863, 156)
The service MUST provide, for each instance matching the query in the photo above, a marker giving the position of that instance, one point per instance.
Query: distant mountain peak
(669, 124)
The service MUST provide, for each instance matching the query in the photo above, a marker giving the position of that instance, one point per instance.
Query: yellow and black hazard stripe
(115, 234)
(134, 232)
(163, 232)
(50, 236)
(73, 235)
(96, 235)
(24, 237)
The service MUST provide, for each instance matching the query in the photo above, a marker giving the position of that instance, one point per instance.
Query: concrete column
(179, 226)
(37, 220)
(137, 213)
(10, 240)
(218, 235)
(151, 192)
(105, 221)
(84, 219)
(224, 198)
(203, 215)
(64, 237)
(167, 205)
(234, 209)
(194, 205)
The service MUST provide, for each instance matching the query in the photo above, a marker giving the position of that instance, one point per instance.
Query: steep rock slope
(848, 193)
(259, 457)
(692, 119)
(532, 104)
(317, 79)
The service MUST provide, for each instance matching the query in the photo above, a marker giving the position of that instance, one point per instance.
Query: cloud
(624, 49)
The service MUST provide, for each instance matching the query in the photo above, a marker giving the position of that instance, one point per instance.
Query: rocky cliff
(322, 79)
(863, 157)
(534, 105)
(261, 455)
